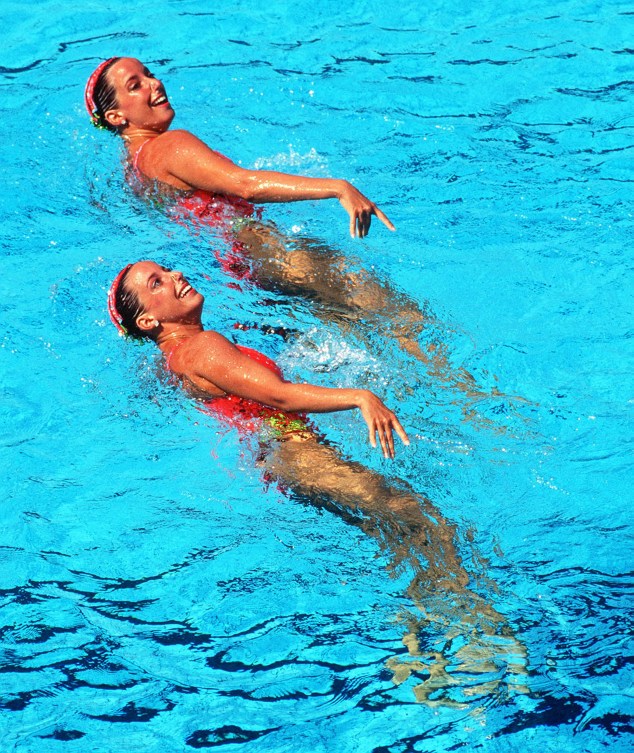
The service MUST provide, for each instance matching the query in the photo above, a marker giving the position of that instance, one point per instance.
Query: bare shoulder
(166, 154)
(181, 138)
(202, 348)
(210, 339)
(180, 156)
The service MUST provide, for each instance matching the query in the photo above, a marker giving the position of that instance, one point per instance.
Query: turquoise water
(155, 595)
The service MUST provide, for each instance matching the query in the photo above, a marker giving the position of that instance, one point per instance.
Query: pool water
(157, 595)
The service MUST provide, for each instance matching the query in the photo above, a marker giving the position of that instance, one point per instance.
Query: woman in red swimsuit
(247, 389)
(198, 186)
(123, 96)
(240, 384)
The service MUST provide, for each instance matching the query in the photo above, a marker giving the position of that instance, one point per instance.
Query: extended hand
(381, 421)
(360, 209)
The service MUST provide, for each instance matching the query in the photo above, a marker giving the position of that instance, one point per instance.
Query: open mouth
(187, 289)
(160, 100)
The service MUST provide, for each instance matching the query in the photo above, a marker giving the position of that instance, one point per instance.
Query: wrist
(341, 188)
(361, 398)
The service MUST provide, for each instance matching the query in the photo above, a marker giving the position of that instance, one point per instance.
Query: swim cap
(89, 92)
(115, 316)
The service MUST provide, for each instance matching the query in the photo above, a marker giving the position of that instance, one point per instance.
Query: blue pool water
(155, 595)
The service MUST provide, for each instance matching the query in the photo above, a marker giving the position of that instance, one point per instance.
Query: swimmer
(150, 301)
(123, 96)
(200, 187)
(244, 387)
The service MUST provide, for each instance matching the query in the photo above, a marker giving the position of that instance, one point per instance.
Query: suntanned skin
(214, 366)
(407, 525)
(355, 299)
(182, 160)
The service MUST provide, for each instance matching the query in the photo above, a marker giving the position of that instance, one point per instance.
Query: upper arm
(189, 161)
(215, 360)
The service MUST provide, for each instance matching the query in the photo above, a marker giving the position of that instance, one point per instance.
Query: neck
(134, 136)
(173, 334)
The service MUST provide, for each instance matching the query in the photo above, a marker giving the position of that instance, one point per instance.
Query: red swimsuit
(249, 415)
(200, 208)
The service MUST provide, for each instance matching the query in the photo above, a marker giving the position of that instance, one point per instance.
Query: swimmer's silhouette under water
(247, 389)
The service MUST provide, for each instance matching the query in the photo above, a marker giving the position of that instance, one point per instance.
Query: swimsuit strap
(135, 159)
(169, 356)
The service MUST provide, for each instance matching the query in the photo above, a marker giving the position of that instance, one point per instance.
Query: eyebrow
(155, 274)
(146, 72)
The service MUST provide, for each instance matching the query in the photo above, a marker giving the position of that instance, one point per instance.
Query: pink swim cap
(112, 305)
(89, 91)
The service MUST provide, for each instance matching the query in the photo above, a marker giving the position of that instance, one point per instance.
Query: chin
(197, 303)
(161, 122)
(169, 117)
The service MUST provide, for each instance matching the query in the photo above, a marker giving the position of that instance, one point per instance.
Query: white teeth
(160, 100)
(185, 290)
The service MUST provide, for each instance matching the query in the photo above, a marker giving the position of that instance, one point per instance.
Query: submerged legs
(456, 641)
(354, 298)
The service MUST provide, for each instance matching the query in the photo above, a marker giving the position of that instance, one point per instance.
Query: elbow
(280, 402)
(247, 187)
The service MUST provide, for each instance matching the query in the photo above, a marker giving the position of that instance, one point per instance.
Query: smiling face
(164, 295)
(141, 98)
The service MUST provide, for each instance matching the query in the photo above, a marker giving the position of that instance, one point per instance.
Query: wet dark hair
(105, 98)
(129, 308)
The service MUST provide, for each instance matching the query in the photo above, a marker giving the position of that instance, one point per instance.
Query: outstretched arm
(213, 363)
(188, 162)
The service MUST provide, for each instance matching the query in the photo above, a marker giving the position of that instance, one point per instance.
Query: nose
(176, 274)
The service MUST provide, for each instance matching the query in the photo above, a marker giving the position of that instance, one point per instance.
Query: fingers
(353, 224)
(380, 420)
(384, 218)
(361, 209)
(361, 220)
(360, 223)
(385, 428)
(365, 220)
(385, 440)
(400, 431)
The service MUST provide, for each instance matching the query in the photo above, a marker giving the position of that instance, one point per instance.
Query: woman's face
(164, 294)
(141, 98)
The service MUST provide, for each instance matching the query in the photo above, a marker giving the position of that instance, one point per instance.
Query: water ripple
(153, 596)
